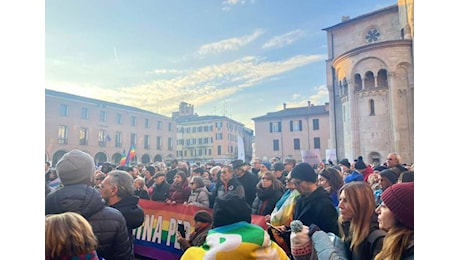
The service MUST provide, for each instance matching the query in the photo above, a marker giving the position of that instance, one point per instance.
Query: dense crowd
(351, 210)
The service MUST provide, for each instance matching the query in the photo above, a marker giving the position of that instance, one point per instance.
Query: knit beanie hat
(303, 171)
(75, 167)
(360, 165)
(345, 162)
(203, 216)
(390, 175)
(229, 209)
(300, 241)
(267, 164)
(399, 198)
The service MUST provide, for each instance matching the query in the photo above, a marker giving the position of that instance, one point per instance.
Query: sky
(235, 58)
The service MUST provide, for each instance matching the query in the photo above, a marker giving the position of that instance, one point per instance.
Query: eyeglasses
(266, 179)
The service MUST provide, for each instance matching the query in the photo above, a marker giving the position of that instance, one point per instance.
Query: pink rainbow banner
(156, 238)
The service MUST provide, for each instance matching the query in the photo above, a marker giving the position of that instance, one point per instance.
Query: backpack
(373, 237)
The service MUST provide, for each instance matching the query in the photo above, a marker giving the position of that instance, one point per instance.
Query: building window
(159, 143)
(170, 127)
(316, 124)
(118, 139)
(119, 119)
(170, 144)
(147, 123)
(133, 121)
(101, 138)
(159, 125)
(296, 126)
(275, 127)
(133, 140)
(382, 78)
(358, 82)
(219, 136)
(371, 107)
(83, 136)
(63, 134)
(84, 113)
(369, 80)
(218, 125)
(64, 110)
(276, 145)
(316, 143)
(219, 150)
(146, 142)
(102, 116)
(296, 144)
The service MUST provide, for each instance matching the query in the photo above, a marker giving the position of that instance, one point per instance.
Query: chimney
(309, 103)
(345, 18)
(284, 106)
(326, 106)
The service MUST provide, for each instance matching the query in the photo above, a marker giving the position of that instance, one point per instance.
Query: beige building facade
(290, 131)
(370, 78)
(104, 130)
(210, 138)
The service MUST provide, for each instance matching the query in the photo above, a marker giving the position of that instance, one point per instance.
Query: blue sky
(236, 58)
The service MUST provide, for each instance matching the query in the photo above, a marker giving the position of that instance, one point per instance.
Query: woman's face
(323, 181)
(177, 178)
(266, 181)
(345, 207)
(386, 218)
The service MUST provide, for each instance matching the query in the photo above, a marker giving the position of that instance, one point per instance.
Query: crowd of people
(365, 211)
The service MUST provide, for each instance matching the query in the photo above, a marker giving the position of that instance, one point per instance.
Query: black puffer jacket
(133, 213)
(108, 223)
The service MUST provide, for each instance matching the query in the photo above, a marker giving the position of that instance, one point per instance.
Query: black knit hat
(203, 216)
(360, 165)
(230, 209)
(345, 162)
(390, 175)
(303, 171)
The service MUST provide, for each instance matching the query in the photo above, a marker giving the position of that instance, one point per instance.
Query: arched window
(358, 82)
(340, 89)
(345, 87)
(371, 107)
(369, 81)
(382, 79)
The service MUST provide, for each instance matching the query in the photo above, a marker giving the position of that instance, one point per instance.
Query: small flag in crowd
(123, 158)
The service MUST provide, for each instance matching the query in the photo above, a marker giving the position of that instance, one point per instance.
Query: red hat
(399, 198)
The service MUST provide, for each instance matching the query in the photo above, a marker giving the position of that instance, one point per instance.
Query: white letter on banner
(158, 230)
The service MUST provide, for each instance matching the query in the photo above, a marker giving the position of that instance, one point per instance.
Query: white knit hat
(300, 241)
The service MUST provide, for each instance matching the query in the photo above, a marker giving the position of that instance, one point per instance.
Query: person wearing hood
(233, 235)
(76, 170)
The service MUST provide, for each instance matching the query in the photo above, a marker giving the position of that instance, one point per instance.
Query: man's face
(107, 190)
(392, 161)
(256, 164)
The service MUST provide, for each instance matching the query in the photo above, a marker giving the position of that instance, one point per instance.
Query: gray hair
(123, 181)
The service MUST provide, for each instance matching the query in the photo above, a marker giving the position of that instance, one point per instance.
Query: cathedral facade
(370, 79)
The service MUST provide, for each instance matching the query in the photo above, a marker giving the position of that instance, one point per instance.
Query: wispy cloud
(320, 97)
(283, 40)
(228, 3)
(231, 44)
(197, 87)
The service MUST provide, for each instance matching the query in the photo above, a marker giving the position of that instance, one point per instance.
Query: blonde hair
(68, 234)
(361, 199)
(396, 241)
